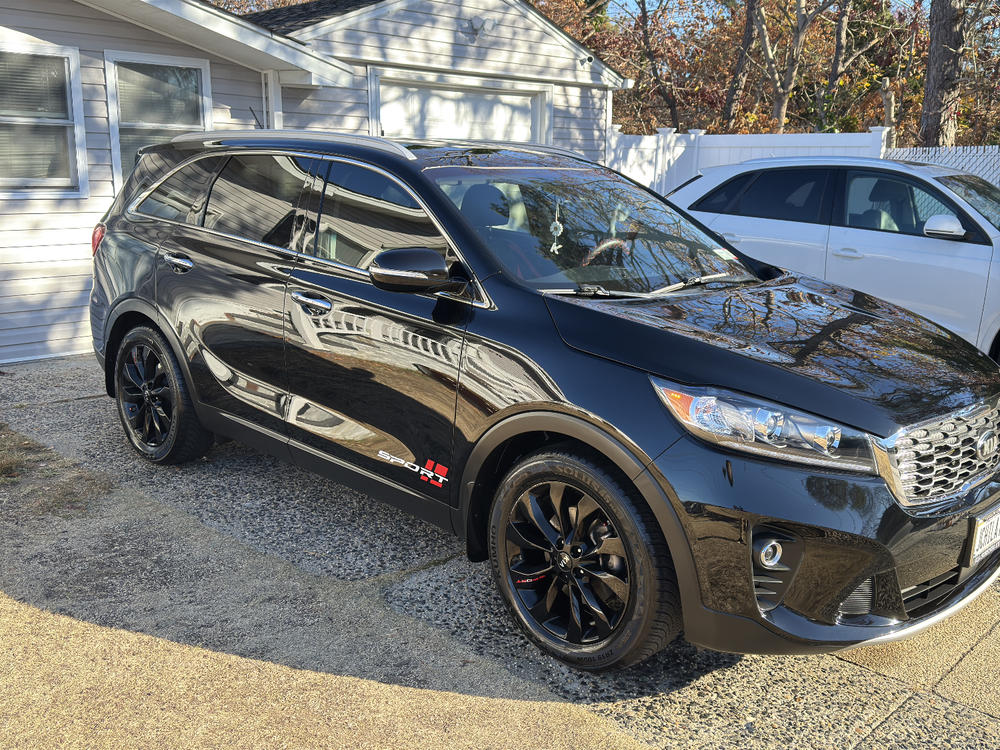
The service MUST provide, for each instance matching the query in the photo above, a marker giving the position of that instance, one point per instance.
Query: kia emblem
(986, 446)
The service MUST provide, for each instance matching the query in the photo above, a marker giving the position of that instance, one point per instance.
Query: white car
(923, 236)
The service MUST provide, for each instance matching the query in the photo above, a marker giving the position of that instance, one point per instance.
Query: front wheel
(154, 404)
(581, 563)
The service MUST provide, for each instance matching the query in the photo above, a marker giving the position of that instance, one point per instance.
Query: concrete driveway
(241, 601)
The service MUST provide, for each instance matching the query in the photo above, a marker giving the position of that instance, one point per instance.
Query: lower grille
(859, 602)
(920, 599)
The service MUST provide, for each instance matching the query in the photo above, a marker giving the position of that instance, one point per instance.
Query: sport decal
(431, 471)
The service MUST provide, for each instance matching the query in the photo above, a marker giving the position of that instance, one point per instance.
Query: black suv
(643, 429)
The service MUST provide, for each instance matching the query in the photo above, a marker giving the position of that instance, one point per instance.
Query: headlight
(760, 427)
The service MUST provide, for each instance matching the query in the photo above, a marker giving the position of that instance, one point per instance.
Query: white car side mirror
(945, 227)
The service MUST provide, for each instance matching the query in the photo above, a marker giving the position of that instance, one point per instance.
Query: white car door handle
(848, 252)
(730, 237)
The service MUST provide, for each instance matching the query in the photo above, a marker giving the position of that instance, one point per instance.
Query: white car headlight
(760, 427)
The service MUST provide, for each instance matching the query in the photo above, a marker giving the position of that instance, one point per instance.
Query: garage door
(409, 110)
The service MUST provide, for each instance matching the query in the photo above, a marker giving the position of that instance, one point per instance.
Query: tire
(154, 404)
(609, 551)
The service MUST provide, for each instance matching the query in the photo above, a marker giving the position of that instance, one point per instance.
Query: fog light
(768, 553)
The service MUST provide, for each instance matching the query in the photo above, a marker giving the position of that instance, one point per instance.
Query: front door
(373, 375)
(877, 245)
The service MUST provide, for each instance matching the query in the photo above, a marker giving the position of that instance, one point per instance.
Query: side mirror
(412, 269)
(944, 227)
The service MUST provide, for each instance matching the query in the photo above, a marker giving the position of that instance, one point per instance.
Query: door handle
(730, 237)
(181, 263)
(312, 305)
(849, 252)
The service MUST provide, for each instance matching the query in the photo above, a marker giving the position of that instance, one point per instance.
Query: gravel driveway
(248, 558)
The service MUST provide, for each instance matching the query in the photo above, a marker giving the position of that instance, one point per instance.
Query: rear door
(221, 285)
(779, 216)
(373, 375)
(877, 246)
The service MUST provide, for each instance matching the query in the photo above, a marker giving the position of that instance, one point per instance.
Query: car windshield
(978, 193)
(584, 230)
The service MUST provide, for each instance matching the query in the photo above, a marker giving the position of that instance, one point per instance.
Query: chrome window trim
(481, 299)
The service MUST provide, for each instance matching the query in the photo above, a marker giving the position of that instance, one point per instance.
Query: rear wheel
(581, 564)
(154, 404)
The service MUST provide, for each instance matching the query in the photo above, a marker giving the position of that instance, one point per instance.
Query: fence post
(880, 140)
(696, 158)
(665, 141)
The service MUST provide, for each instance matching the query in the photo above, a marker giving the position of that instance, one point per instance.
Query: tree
(949, 26)
(741, 69)
(783, 66)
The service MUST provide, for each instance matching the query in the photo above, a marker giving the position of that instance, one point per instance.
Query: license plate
(985, 536)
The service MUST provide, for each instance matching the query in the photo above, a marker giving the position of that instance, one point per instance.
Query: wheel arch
(126, 315)
(501, 446)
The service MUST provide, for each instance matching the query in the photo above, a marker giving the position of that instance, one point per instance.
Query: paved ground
(242, 601)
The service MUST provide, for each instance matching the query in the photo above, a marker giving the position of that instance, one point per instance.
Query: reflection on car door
(877, 245)
(373, 375)
(780, 217)
(223, 290)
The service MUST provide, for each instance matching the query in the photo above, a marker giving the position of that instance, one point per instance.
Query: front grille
(920, 599)
(937, 460)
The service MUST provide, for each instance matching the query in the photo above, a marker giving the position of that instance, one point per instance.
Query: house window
(42, 142)
(152, 99)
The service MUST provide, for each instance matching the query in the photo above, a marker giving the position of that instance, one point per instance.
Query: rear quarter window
(181, 197)
(719, 200)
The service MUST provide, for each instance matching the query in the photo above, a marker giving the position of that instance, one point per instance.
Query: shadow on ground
(242, 554)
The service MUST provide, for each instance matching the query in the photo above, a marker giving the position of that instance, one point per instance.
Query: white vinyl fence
(981, 160)
(668, 159)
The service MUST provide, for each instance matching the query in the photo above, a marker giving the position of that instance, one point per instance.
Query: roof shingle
(294, 17)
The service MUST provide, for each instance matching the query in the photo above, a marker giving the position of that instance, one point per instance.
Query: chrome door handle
(312, 305)
(849, 252)
(181, 263)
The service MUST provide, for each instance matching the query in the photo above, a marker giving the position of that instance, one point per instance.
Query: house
(85, 83)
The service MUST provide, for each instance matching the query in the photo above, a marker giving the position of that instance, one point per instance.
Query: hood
(798, 341)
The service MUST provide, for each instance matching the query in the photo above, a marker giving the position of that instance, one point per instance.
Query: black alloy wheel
(145, 396)
(567, 563)
(154, 405)
(580, 561)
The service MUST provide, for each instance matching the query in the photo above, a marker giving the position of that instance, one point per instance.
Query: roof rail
(343, 139)
(538, 148)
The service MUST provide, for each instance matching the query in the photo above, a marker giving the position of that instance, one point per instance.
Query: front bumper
(844, 531)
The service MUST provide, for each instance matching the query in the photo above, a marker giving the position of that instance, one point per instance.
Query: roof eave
(206, 27)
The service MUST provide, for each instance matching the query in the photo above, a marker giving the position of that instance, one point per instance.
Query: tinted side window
(181, 197)
(785, 194)
(719, 199)
(256, 197)
(365, 212)
(876, 200)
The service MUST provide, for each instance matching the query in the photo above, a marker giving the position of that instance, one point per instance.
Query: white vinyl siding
(434, 38)
(151, 99)
(42, 136)
(45, 257)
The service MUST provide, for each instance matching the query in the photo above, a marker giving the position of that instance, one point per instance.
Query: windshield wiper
(698, 281)
(592, 290)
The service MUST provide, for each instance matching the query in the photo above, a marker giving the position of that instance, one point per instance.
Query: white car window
(883, 202)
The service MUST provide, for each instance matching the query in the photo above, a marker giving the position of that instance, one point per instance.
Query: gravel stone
(318, 525)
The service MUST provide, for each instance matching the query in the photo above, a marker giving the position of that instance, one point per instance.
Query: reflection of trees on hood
(843, 336)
